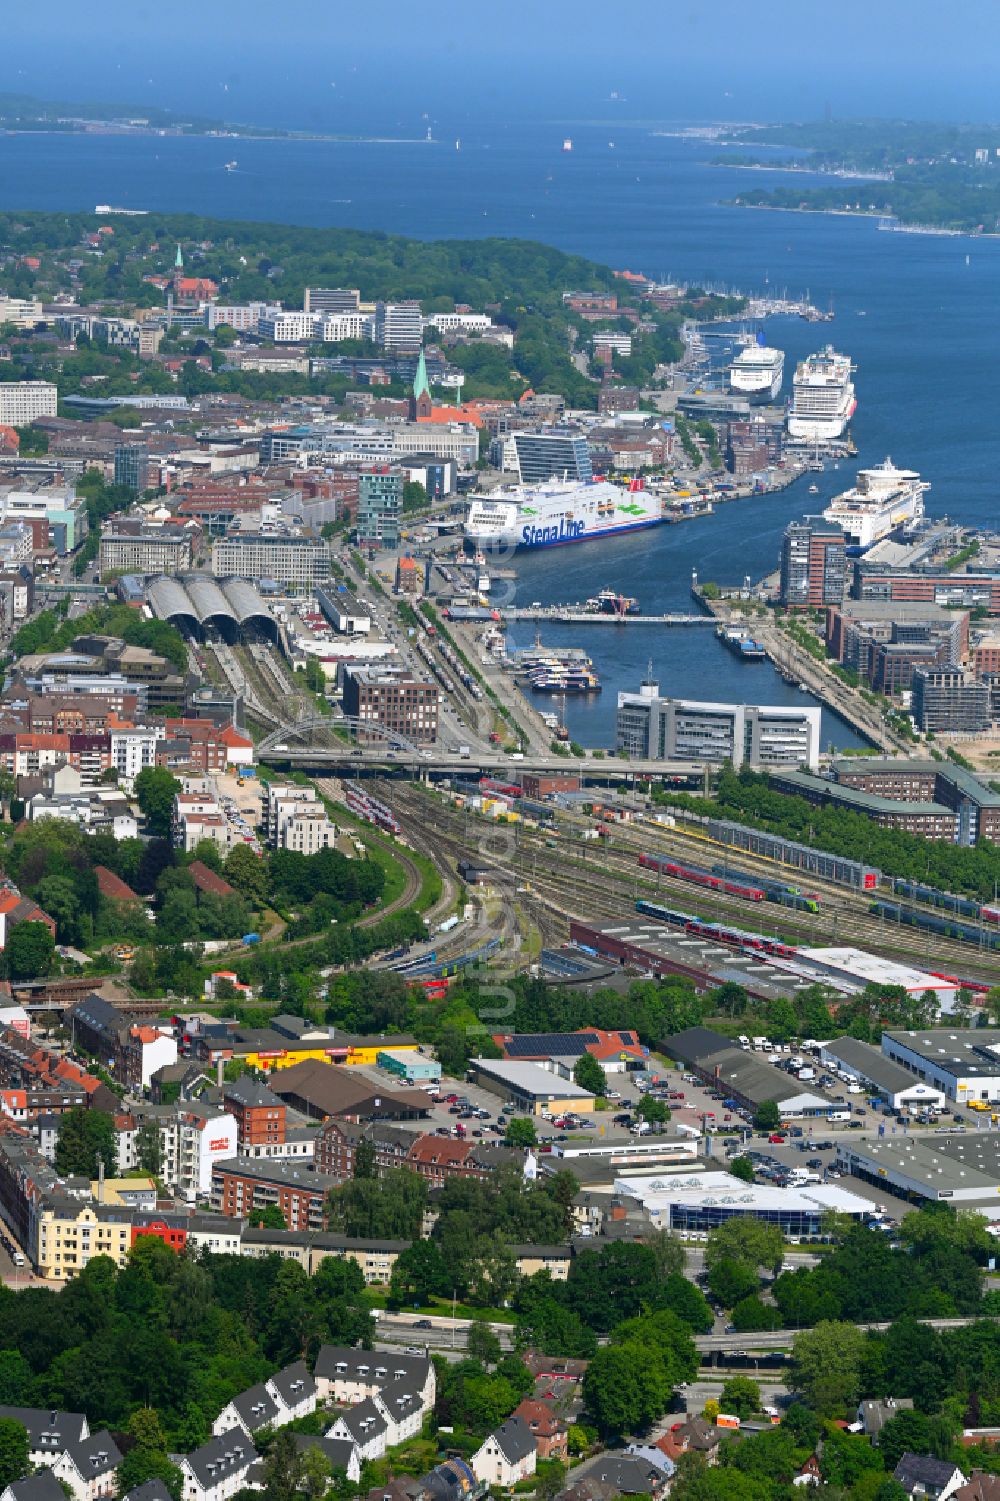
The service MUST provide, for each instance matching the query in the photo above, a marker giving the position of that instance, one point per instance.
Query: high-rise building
(813, 564)
(132, 466)
(399, 327)
(553, 454)
(651, 728)
(326, 300)
(380, 505)
(24, 401)
(947, 700)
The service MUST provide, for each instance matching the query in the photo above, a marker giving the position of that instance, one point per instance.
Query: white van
(839, 1115)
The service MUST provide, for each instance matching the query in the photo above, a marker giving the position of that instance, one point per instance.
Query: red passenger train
(668, 867)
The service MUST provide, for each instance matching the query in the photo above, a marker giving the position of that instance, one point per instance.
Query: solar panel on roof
(531, 1044)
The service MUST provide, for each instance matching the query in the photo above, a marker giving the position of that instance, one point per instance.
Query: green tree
(521, 1132)
(730, 1282)
(30, 951)
(742, 1168)
(155, 789)
(148, 1149)
(316, 1473)
(248, 873)
(141, 1464)
(269, 1217)
(748, 1242)
(826, 1367)
(767, 1116)
(365, 1163)
(589, 1074)
(656, 1112)
(625, 1388)
(282, 1468)
(84, 1136)
(740, 1395)
(483, 1344)
(419, 1274)
(386, 1208)
(907, 1432)
(13, 1451)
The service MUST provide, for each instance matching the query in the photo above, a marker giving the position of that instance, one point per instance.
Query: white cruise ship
(822, 397)
(560, 511)
(757, 370)
(882, 499)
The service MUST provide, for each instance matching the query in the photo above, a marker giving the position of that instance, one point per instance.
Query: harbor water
(917, 314)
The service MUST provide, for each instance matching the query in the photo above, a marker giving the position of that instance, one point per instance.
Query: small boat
(814, 489)
(232, 166)
(458, 145)
(567, 144)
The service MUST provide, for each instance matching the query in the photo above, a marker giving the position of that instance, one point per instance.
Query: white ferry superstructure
(882, 499)
(823, 400)
(757, 371)
(560, 511)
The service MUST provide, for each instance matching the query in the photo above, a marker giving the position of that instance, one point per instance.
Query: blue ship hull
(611, 531)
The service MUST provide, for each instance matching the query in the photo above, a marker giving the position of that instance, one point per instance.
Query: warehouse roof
(962, 1052)
(924, 1162)
(853, 797)
(531, 1079)
(872, 1065)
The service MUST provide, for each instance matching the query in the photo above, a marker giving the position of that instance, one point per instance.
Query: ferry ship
(823, 399)
(882, 499)
(560, 511)
(757, 370)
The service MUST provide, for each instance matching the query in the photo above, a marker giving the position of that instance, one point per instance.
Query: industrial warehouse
(889, 1080)
(740, 1076)
(963, 1168)
(964, 1063)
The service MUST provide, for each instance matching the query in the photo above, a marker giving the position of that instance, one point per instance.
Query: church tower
(421, 402)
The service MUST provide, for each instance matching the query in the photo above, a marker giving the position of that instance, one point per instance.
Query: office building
(974, 806)
(813, 564)
(132, 466)
(399, 327)
(331, 300)
(651, 728)
(22, 312)
(686, 1202)
(24, 401)
(287, 558)
(551, 454)
(380, 506)
(884, 641)
(134, 547)
(389, 698)
(947, 700)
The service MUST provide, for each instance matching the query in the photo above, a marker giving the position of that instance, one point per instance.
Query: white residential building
(345, 1374)
(337, 327)
(50, 1432)
(23, 401)
(243, 317)
(467, 323)
(89, 1467)
(507, 1456)
(219, 1468)
(399, 327)
(133, 750)
(289, 327)
(191, 1143)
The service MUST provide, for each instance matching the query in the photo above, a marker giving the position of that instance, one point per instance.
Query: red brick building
(241, 1185)
(259, 1114)
(550, 1432)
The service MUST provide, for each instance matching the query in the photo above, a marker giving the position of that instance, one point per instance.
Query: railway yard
(544, 878)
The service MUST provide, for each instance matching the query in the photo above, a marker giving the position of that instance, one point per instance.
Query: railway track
(611, 890)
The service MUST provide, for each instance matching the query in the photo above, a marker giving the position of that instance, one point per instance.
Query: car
(814, 1162)
(416, 1350)
(776, 1138)
(451, 1099)
(423, 1324)
(455, 1110)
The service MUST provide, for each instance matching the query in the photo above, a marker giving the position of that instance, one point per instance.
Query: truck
(465, 752)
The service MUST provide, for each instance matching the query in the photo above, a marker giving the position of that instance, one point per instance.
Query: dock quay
(573, 615)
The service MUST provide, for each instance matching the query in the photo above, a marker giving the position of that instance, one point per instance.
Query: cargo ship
(882, 499)
(823, 400)
(560, 511)
(741, 644)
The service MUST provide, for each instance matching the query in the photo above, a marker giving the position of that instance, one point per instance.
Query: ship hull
(531, 537)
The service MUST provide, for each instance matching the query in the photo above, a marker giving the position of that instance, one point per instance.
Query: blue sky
(325, 64)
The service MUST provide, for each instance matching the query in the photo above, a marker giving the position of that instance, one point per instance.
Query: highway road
(781, 1339)
(400, 1331)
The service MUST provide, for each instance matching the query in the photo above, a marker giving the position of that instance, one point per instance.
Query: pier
(573, 615)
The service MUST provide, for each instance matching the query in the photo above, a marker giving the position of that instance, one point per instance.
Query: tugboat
(610, 602)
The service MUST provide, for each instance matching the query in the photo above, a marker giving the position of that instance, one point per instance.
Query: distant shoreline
(943, 231)
(167, 133)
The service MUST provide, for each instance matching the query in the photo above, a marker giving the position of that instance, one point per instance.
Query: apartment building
(24, 312)
(813, 564)
(295, 819)
(399, 327)
(241, 1185)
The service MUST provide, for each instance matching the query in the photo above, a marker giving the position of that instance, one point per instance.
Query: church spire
(179, 260)
(421, 385)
